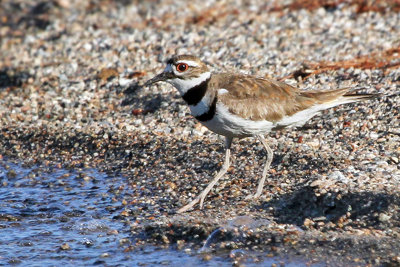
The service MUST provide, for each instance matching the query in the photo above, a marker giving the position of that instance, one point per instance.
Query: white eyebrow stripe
(189, 62)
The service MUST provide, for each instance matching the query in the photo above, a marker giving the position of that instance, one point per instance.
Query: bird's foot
(200, 198)
(192, 203)
(188, 206)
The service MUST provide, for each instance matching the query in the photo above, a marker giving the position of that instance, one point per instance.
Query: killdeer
(237, 106)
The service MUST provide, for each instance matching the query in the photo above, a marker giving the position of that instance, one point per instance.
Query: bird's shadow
(148, 103)
(12, 78)
(365, 209)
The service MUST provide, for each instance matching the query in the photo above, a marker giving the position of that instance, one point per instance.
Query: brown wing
(259, 98)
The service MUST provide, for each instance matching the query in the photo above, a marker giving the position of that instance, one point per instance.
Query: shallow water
(52, 216)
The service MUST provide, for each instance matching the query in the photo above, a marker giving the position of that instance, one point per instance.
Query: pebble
(384, 217)
(337, 175)
(65, 246)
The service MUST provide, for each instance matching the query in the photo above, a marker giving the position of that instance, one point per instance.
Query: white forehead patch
(190, 63)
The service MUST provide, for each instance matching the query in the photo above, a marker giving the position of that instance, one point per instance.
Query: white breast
(227, 124)
(202, 107)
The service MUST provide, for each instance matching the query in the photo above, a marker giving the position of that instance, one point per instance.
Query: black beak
(163, 76)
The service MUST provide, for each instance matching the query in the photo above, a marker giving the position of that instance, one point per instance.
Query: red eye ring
(181, 67)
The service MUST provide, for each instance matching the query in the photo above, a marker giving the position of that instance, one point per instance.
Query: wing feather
(260, 98)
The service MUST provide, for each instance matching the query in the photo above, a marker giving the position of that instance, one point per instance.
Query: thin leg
(203, 194)
(270, 155)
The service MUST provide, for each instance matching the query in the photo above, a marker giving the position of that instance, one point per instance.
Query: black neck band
(210, 113)
(196, 93)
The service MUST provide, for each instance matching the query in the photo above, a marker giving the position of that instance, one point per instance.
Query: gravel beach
(71, 97)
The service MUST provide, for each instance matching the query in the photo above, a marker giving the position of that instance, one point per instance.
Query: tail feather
(316, 101)
(361, 96)
(353, 96)
(339, 96)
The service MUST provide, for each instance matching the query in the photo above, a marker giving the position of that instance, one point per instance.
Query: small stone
(339, 176)
(65, 246)
(180, 244)
(207, 257)
(107, 74)
(124, 241)
(124, 82)
(373, 135)
(165, 239)
(11, 174)
(395, 159)
(113, 232)
(308, 222)
(383, 217)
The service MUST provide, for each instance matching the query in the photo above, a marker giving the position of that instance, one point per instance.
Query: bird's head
(183, 72)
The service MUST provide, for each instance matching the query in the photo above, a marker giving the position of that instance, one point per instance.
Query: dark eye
(181, 67)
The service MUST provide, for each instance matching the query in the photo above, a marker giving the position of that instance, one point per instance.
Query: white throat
(185, 85)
